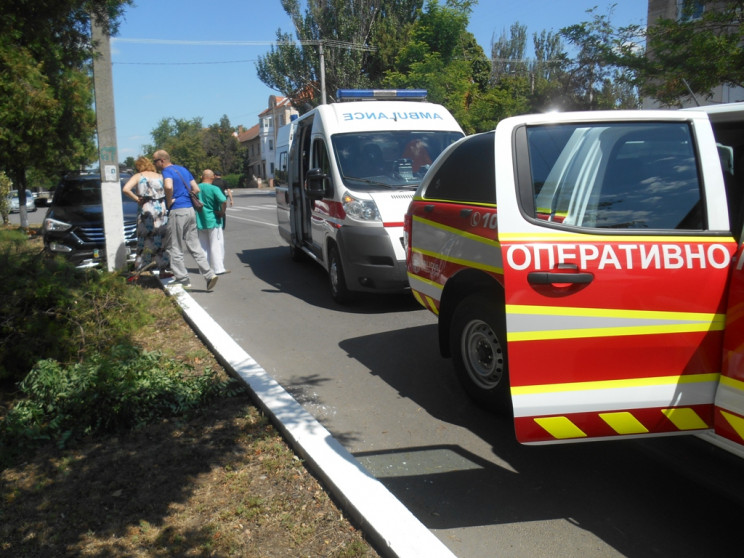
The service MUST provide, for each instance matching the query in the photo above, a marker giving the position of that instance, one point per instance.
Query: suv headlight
(52, 225)
(364, 210)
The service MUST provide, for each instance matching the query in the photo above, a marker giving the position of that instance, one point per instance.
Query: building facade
(675, 9)
(278, 113)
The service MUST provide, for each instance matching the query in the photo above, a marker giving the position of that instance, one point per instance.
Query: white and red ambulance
(352, 170)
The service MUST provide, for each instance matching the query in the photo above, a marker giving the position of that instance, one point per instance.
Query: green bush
(66, 341)
(125, 389)
(50, 310)
(231, 180)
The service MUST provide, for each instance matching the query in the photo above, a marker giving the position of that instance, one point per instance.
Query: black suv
(73, 225)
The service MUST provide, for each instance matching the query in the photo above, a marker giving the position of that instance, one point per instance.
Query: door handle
(429, 208)
(547, 278)
(466, 212)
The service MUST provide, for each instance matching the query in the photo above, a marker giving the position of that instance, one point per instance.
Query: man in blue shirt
(178, 181)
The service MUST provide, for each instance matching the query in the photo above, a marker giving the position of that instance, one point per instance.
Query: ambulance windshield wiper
(368, 181)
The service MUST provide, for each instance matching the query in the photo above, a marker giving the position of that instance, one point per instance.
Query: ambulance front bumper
(369, 260)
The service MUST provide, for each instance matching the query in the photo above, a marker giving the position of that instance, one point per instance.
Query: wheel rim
(483, 354)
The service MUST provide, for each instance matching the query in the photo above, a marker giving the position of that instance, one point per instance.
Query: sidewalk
(388, 524)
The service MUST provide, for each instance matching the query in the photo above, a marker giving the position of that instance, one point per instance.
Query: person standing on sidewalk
(209, 222)
(220, 183)
(178, 181)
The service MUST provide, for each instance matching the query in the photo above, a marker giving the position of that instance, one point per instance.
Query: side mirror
(318, 184)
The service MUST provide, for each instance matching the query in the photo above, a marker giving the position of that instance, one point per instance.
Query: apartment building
(675, 9)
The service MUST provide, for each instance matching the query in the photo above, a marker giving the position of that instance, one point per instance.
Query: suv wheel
(478, 348)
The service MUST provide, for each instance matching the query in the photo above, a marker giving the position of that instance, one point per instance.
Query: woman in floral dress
(146, 188)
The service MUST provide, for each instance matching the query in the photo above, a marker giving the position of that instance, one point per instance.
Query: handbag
(195, 201)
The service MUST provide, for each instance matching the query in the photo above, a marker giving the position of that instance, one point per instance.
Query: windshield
(374, 160)
(74, 192)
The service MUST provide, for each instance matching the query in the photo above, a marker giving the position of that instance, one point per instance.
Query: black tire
(336, 277)
(478, 348)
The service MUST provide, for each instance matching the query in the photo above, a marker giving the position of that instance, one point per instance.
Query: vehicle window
(617, 176)
(369, 160)
(730, 141)
(83, 191)
(320, 157)
(467, 174)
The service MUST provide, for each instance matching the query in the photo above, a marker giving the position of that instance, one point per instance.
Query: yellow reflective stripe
(611, 331)
(610, 312)
(685, 418)
(736, 422)
(595, 238)
(418, 298)
(623, 423)
(450, 202)
(459, 261)
(432, 306)
(560, 428)
(615, 384)
(458, 232)
(703, 321)
(424, 280)
(732, 383)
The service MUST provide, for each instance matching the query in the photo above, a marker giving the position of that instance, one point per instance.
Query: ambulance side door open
(299, 162)
(319, 186)
(616, 265)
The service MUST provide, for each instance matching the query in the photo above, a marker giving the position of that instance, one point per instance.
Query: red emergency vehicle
(586, 272)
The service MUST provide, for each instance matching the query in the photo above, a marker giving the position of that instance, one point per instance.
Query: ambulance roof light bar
(381, 94)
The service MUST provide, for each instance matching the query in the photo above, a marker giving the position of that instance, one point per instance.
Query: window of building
(689, 10)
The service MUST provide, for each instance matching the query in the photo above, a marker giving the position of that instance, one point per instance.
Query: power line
(181, 63)
(310, 42)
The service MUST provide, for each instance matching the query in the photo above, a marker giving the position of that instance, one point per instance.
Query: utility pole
(108, 158)
(322, 73)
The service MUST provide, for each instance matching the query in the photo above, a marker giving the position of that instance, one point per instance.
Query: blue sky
(174, 58)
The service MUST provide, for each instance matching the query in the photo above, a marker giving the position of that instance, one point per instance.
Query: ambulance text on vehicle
(352, 170)
(586, 270)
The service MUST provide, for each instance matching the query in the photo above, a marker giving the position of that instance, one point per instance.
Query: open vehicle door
(616, 268)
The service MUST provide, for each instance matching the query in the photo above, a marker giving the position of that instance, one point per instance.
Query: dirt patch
(223, 483)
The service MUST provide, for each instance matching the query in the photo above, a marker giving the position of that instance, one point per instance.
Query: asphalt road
(372, 375)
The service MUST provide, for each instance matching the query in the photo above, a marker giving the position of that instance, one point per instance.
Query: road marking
(253, 221)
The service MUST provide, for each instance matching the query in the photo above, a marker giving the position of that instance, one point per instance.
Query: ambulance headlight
(364, 210)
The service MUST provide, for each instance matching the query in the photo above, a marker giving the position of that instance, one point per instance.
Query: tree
(442, 57)
(46, 119)
(197, 148)
(4, 191)
(221, 146)
(595, 80)
(344, 29)
(508, 53)
(694, 54)
(389, 33)
(182, 139)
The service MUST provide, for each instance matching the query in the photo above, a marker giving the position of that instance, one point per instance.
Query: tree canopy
(692, 55)
(426, 45)
(195, 147)
(46, 116)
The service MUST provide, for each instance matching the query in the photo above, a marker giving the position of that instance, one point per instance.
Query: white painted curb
(394, 530)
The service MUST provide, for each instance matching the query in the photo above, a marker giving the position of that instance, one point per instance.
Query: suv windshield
(81, 191)
(371, 160)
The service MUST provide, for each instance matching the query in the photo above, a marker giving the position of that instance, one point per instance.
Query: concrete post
(113, 213)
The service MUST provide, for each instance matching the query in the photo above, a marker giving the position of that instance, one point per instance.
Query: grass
(218, 481)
